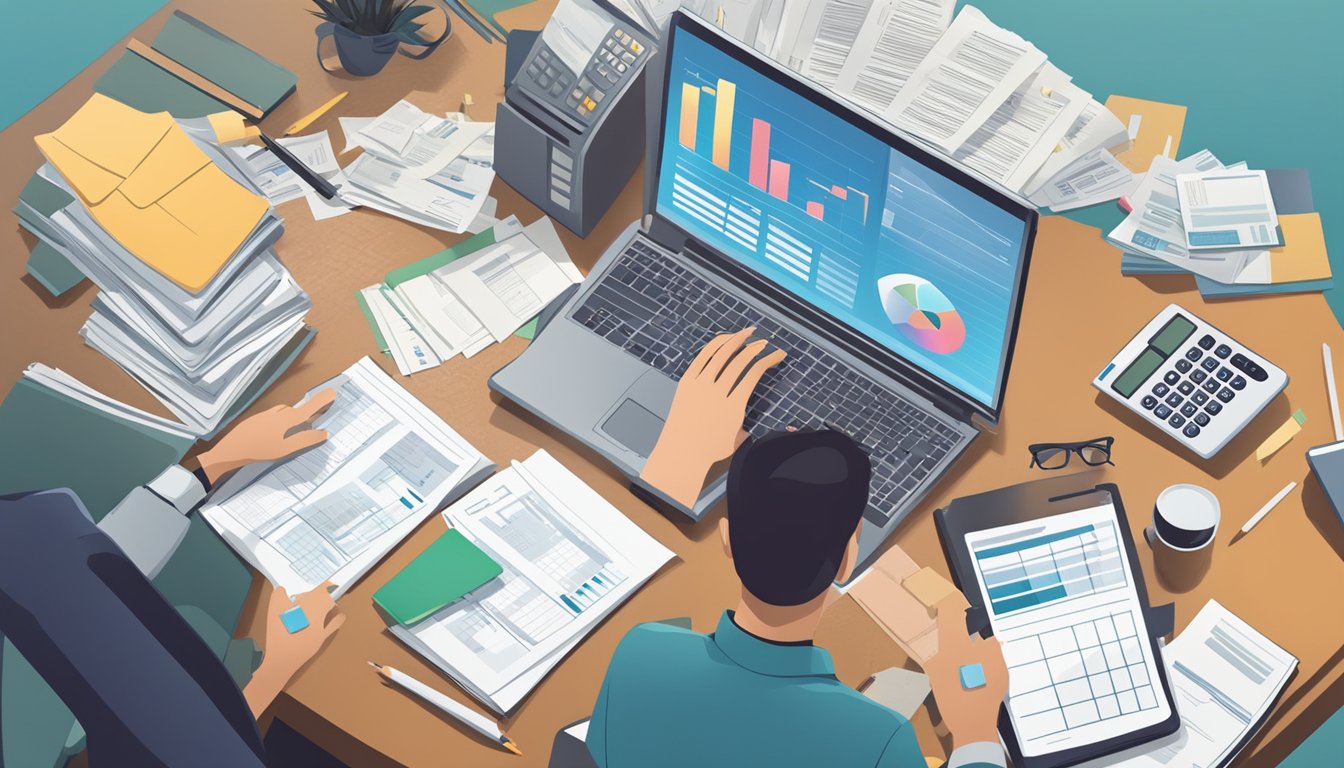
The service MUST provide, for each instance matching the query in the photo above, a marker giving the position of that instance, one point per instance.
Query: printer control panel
(616, 60)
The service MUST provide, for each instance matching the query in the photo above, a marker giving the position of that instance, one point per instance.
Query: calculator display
(1138, 372)
(1163, 344)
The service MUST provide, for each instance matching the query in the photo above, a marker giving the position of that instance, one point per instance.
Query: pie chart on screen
(922, 313)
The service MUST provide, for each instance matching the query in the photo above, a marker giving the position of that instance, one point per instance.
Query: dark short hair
(794, 500)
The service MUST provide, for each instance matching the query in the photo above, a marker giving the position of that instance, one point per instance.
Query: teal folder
(48, 440)
(449, 568)
(224, 61)
(52, 270)
(142, 85)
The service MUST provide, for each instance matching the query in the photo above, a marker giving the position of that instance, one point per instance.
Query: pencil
(307, 120)
(468, 717)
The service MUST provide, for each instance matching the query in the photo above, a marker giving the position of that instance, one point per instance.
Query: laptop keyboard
(662, 313)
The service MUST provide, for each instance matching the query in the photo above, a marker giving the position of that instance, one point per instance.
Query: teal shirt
(673, 697)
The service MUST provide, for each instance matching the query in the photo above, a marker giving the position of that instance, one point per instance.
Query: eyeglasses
(1094, 453)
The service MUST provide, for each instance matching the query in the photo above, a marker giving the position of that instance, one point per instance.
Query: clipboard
(1038, 500)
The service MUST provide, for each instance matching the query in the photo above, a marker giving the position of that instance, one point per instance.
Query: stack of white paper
(496, 284)
(422, 168)
(570, 558)
(331, 512)
(1156, 229)
(976, 92)
(206, 355)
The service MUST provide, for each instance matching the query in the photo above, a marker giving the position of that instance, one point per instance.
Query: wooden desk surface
(1078, 311)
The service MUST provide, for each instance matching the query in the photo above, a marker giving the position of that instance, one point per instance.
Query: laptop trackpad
(633, 426)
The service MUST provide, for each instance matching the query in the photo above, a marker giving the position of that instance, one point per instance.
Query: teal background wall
(44, 43)
(1264, 82)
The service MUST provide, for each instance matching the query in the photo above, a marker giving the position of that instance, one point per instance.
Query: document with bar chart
(569, 559)
(833, 213)
(1061, 598)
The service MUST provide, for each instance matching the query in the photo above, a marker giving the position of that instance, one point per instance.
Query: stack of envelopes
(193, 303)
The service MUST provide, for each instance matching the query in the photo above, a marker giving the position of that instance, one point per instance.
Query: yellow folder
(153, 190)
(1154, 129)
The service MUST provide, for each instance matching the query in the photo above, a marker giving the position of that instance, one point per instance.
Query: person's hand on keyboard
(968, 675)
(704, 425)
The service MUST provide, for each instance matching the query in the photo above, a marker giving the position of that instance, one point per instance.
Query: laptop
(891, 277)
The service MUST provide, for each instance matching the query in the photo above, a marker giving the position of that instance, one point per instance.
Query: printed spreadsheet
(1061, 598)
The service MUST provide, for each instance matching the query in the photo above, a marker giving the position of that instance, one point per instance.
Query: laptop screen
(923, 261)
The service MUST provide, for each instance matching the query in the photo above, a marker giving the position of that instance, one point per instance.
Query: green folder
(448, 569)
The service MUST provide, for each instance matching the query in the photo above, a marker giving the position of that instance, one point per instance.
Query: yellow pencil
(307, 120)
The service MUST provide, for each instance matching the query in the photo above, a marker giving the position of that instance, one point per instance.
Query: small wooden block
(928, 587)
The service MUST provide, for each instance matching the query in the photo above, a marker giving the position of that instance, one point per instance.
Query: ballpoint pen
(477, 722)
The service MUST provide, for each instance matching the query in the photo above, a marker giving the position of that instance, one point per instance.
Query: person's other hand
(275, 433)
(286, 653)
(704, 425)
(971, 715)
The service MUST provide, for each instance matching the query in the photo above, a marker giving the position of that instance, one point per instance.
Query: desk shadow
(509, 417)
(1322, 514)
(1166, 284)
(70, 297)
(1179, 572)
(1232, 454)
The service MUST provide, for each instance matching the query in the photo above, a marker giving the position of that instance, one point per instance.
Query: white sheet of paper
(837, 30)
(894, 39)
(313, 151)
(575, 31)
(1227, 209)
(1096, 128)
(1025, 129)
(350, 128)
(1225, 675)
(972, 69)
(507, 284)
(1093, 178)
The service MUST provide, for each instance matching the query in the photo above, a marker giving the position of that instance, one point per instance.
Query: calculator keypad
(1193, 391)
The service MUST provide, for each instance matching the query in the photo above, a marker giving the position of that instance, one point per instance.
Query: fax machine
(571, 127)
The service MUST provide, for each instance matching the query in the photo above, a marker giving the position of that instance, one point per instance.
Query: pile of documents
(1226, 677)
(1239, 231)
(968, 88)
(430, 170)
(464, 299)
(332, 512)
(193, 302)
(569, 559)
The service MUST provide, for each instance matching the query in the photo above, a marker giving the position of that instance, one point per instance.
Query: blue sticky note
(972, 676)
(296, 620)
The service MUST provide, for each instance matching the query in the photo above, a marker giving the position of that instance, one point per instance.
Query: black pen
(322, 186)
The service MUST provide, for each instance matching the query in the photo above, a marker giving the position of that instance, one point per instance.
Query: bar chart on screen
(770, 178)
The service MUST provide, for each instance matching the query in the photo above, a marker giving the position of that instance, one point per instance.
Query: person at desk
(76, 601)
(757, 691)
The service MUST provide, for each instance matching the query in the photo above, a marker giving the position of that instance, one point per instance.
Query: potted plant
(368, 32)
